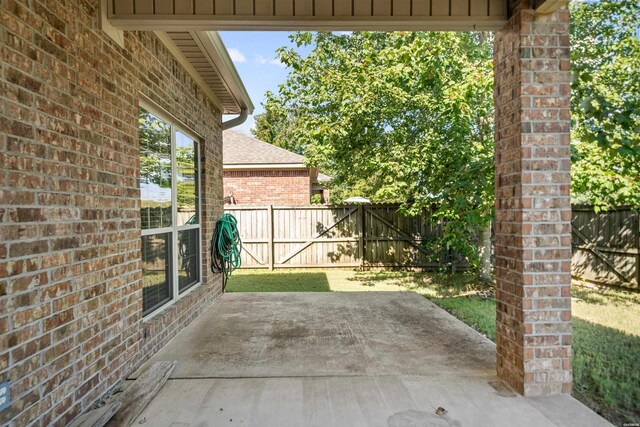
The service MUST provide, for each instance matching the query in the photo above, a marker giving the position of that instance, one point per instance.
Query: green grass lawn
(606, 323)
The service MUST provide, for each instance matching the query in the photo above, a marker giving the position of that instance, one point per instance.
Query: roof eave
(214, 46)
(229, 93)
(184, 61)
(244, 166)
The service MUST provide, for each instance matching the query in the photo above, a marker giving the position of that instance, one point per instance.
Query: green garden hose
(226, 246)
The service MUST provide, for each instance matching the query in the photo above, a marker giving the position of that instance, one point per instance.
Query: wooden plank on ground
(97, 417)
(138, 395)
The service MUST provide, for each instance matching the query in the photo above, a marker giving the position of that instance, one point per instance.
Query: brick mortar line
(48, 271)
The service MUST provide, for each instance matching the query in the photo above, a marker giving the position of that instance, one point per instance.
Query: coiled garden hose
(226, 246)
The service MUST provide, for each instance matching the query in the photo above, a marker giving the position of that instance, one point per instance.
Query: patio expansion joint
(250, 377)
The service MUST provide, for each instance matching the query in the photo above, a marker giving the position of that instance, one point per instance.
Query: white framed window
(169, 209)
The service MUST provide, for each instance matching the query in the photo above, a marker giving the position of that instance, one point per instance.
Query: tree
(277, 126)
(605, 106)
(395, 117)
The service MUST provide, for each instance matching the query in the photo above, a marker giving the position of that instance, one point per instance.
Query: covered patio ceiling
(188, 28)
(176, 15)
(320, 15)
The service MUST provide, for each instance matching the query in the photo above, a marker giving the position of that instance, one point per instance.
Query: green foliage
(434, 286)
(475, 311)
(277, 126)
(396, 118)
(280, 281)
(606, 337)
(604, 372)
(605, 106)
(316, 199)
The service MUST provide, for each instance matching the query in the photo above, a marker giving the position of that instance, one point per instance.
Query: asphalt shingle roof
(323, 178)
(239, 149)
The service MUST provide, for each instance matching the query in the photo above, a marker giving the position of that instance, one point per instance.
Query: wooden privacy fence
(336, 236)
(606, 246)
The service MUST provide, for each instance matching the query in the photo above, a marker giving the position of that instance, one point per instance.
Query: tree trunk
(484, 249)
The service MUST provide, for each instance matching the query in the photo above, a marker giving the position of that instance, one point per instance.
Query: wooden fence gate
(335, 236)
(606, 246)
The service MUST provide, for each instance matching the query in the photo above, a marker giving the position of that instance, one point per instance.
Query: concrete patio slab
(341, 359)
(327, 334)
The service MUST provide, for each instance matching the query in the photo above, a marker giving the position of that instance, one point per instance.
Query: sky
(254, 55)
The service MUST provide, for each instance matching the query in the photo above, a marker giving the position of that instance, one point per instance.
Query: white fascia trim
(265, 166)
(212, 44)
(175, 22)
(175, 51)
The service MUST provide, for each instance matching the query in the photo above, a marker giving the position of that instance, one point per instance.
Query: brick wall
(533, 212)
(268, 187)
(70, 270)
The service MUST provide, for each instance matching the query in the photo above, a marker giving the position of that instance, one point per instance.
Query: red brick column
(533, 211)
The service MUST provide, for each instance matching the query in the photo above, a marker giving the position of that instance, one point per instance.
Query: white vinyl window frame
(177, 126)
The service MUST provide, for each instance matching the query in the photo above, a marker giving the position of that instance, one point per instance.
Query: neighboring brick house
(259, 173)
(89, 287)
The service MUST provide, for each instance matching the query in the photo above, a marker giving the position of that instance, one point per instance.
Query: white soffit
(318, 15)
(204, 56)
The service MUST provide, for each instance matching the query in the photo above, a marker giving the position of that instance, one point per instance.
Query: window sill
(151, 316)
